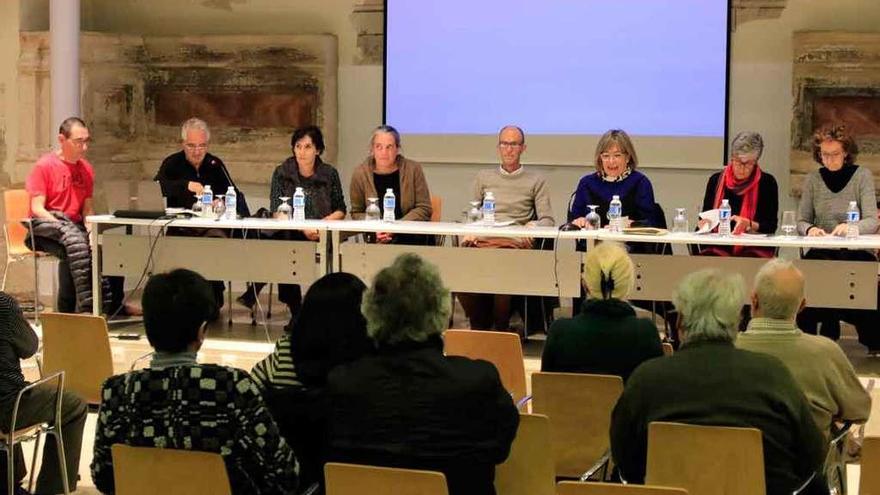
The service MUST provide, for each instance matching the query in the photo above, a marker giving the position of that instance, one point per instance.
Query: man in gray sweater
(521, 196)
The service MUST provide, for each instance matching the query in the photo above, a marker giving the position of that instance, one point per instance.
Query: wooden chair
(16, 204)
(15, 434)
(708, 460)
(503, 349)
(436, 208)
(354, 479)
(529, 469)
(869, 477)
(579, 407)
(80, 346)
(580, 488)
(155, 471)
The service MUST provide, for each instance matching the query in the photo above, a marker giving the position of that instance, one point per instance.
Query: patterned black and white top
(17, 341)
(207, 408)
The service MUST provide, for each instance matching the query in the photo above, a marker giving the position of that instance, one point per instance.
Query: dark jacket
(176, 173)
(17, 341)
(410, 406)
(713, 383)
(767, 209)
(636, 198)
(605, 338)
(323, 189)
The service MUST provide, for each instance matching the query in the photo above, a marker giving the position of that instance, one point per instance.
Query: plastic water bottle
(388, 205)
(231, 203)
(724, 219)
(299, 205)
(207, 202)
(852, 220)
(615, 210)
(489, 208)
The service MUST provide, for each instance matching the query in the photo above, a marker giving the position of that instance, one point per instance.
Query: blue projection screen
(564, 70)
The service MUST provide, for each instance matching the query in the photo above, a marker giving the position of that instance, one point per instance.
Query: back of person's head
(407, 302)
(329, 329)
(710, 303)
(608, 271)
(778, 290)
(176, 305)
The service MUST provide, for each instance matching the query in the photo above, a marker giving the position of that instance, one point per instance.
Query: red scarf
(747, 188)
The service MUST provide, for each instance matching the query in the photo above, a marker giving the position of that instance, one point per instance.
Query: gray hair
(747, 143)
(386, 129)
(608, 261)
(194, 124)
(709, 303)
(779, 293)
(407, 302)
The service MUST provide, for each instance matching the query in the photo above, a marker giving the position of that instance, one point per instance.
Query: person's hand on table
(740, 224)
(195, 187)
(311, 234)
(839, 230)
(816, 232)
(580, 222)
(468, 240)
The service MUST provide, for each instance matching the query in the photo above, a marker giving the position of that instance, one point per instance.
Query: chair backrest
(503, 349)
(16, 204)
(155, 471)
(709, 460)
(869, 477)
(354, 479)
(436, 208)
(80, 346)
(579, 407)
(577, 488)
(529, 469)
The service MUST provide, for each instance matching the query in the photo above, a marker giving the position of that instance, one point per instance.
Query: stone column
(64, 21)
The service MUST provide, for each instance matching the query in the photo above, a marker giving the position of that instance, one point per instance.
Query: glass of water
(284, 211)
(474, 214)
(789, 225)
(372, 212)
(592, 218)
(680, 221)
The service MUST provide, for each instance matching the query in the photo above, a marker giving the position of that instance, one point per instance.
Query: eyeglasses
(607, 157)
(194, 147)
(831, 156)
(509, 144)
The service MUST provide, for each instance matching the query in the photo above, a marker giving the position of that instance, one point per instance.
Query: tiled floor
(241, 345)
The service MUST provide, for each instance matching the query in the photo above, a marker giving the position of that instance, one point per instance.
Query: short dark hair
(67, 126)
(329, 329)
(835, 132)
(176, 305)
(311, 131)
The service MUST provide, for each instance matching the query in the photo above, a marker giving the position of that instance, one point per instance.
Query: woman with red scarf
(752, 194)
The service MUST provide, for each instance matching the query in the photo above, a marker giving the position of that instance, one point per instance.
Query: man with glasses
(184, 175)
(521, 197)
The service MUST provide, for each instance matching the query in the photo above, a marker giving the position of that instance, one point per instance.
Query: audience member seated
(19, 341)
(324, 201)
(711, 382)
(521, 197)
(817, 364)
(616, 161)
(385, 169)
(183, 176)
(330, 330)
(410, 406)
(825, 198)
(606, 337)
(751, 192)
(177, 403)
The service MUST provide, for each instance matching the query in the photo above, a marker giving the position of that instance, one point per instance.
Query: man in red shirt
(61, 186)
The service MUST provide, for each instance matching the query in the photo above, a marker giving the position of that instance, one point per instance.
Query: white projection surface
(564, 70)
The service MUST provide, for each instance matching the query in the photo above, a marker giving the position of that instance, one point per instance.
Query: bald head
(778, 291)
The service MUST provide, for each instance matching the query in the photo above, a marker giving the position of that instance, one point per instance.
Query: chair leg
(5, 274)
(34, 462)
(229, 302)
(10, 468)
(62, 459)
(36, 291)
(269, 312)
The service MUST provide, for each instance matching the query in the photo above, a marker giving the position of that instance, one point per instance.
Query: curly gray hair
(710, 303)
(406, 302)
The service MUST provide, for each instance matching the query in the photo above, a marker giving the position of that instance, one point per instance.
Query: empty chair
(529, 469)
(80, 346)
(155, 471)
(354, 479)
(869, 480)
(706, 460)
(579, 407)
(579, 488)
(502, 349)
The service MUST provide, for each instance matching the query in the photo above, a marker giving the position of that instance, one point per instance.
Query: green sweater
(714, 383)
(522, 196)
(605, 338)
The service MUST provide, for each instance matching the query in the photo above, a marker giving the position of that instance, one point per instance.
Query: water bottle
(724, 219)
(852, 221)
(207, 202)
(231, 202)
(489, 208)
(299, 205)
(615, 210)
(388, 205)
